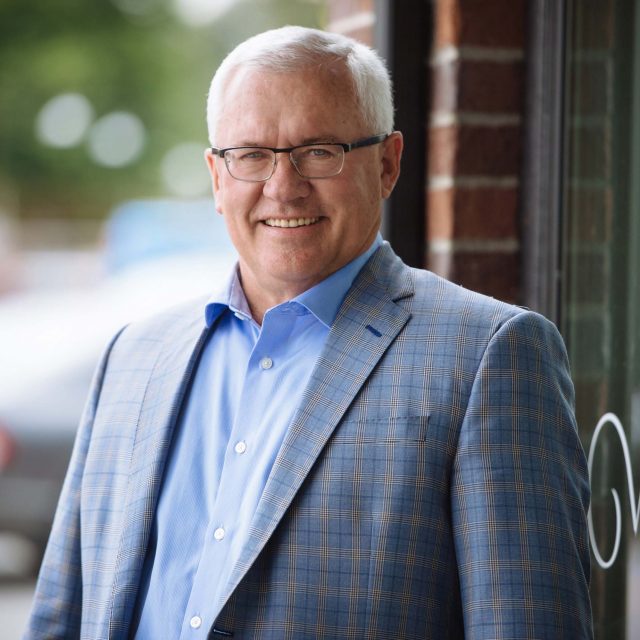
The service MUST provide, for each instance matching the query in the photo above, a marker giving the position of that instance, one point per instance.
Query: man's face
(339, 216)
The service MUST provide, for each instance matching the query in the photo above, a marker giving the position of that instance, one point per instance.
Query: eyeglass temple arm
(367, 142)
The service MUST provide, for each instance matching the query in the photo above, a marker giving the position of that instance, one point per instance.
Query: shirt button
(218, 534)
(195, 622)
(240, 447)
(266, 363)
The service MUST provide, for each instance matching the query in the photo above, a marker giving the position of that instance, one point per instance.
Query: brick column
(475, 144)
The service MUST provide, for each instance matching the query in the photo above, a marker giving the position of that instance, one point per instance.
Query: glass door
(600, 287)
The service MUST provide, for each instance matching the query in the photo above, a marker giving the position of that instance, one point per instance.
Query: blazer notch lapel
(367, 324)
(177, 359)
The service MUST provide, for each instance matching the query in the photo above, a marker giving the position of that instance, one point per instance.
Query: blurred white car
(50, 342)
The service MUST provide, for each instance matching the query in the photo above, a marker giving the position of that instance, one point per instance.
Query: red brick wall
(474, 140)
(475, 144)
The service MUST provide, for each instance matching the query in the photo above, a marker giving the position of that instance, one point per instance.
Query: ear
(390, 162)
(212, 165)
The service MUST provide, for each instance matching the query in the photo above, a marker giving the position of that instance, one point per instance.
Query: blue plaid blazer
(431, 484)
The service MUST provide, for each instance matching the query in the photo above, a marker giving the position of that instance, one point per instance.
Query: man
(342, 447)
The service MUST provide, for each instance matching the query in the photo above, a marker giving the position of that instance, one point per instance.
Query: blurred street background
(106, 215)
(521, 121)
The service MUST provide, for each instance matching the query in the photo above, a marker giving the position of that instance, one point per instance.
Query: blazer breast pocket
(376, 474)
(397, 454)
(382, 430)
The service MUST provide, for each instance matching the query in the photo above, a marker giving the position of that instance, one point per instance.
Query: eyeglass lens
(311, 161)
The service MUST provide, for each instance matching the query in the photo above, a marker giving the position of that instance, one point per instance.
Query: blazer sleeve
(520, 492)
(56, 612)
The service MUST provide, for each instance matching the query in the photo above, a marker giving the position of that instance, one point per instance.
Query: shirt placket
(244, 468)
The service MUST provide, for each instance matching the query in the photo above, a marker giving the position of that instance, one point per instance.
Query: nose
(286, 184)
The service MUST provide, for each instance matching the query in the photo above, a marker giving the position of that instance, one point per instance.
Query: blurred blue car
(157, 254)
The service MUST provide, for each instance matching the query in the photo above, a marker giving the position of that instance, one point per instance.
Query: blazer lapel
(367, 323)
(163, 397)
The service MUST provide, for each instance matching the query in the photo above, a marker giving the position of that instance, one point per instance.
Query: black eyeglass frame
(346, 147)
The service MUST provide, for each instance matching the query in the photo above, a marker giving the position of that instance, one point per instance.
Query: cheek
(236, 199)
(238, 232)
(361, 201)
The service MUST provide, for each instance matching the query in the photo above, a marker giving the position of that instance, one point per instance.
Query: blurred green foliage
(151, 64)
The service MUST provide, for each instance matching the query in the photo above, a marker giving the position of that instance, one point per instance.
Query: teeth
(290, 222)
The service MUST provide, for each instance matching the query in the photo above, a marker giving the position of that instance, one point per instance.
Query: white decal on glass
(611, 418)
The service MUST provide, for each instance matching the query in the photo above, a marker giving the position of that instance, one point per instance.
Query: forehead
(266, 107)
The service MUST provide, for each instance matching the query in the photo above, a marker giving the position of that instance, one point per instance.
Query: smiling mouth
(290, 222)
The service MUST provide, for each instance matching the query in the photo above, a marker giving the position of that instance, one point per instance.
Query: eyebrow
(313, 140)
(248, 143)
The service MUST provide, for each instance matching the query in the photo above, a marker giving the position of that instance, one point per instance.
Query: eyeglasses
(317, 160)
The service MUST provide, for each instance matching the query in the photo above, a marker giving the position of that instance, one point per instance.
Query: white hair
(293, 48)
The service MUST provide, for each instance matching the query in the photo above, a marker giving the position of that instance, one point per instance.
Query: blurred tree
(122, 55)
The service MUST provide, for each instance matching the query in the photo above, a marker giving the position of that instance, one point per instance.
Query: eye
(319, 153)
(251, 155)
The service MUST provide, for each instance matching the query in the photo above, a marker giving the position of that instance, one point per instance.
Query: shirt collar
(322, 300)
(230, 296)
(325, 298)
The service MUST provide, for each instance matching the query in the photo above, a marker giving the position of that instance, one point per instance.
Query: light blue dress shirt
(245, 392)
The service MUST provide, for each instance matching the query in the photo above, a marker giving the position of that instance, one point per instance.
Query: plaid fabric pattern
(431, 485)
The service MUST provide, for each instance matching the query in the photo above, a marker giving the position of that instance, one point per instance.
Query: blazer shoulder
(143, 340)
(434, 301)
(460, 311)
(167, 323)
(436, 295)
